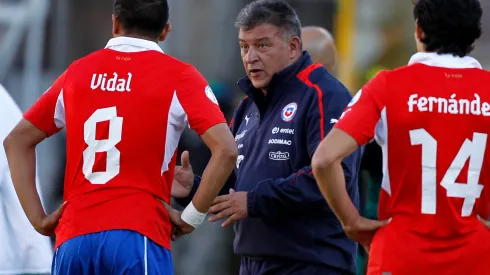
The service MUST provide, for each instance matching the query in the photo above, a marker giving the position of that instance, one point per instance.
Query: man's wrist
(192, 216)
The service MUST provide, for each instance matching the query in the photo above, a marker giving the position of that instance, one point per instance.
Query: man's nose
(251, 56)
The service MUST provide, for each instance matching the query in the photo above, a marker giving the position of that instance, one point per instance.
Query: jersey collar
(121, 43)
(445, 61)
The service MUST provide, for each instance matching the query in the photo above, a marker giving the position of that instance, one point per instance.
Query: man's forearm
(331, 181)
(213, 179)
(22, 163)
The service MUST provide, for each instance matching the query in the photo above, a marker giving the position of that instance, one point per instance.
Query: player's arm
(223, 156)
(355, 128)
(20, 147)
(206, 118)
(45, 118)
(185, 168)
(299, 193)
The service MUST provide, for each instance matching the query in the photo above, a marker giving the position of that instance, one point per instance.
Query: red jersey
(124, 109)
(432, 120)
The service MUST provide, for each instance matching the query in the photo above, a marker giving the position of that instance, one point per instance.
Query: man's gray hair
(274, 12)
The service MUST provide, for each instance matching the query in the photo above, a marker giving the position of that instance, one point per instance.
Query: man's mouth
(254, 72)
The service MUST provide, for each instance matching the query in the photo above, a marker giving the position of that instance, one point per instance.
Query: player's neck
(137, 37)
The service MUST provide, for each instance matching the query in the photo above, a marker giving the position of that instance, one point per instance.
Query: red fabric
(131, 109)
(422, 116)
(303, 76)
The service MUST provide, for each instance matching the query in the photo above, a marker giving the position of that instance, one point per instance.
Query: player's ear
(419, 33)
(115, 26)
(165, 32)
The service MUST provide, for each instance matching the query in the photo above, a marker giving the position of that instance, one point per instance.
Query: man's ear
(294, 47)
(165, 32)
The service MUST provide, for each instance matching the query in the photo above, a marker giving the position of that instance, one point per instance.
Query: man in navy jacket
(283, 224)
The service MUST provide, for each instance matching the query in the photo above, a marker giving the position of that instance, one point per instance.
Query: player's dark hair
(450, 26)
(142, 17)
(274, 12)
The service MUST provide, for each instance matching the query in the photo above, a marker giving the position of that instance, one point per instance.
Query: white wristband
(192, 216)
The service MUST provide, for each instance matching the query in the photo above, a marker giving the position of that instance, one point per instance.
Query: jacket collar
(445, 61)
(130, 44)
(278, 85)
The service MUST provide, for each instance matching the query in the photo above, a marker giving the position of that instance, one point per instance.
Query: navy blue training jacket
(276, 136)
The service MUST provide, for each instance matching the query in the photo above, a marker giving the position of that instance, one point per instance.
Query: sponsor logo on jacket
(278, 155)
(280, 141)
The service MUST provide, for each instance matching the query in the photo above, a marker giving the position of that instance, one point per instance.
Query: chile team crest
(289, 111)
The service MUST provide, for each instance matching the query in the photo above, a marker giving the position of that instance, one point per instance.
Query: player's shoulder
(177, 67)
(87, 59)
(386, 74)
(171, 63)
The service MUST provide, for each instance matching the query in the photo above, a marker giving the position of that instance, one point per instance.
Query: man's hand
(233, 205)
(485, 222)
(183, 178)
(179, 227)
(47, 224)
(362, 230)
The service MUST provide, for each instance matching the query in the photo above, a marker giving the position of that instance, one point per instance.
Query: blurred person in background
(22, 249)
(435, 196)
(124, 108)
(319, 43)
(282, 223)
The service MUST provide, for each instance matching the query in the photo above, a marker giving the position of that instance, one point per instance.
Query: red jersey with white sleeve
(432, 120)
(124, 109)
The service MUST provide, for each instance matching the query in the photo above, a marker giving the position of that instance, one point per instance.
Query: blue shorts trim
(112, 252)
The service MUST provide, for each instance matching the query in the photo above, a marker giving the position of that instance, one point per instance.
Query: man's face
(264, 53)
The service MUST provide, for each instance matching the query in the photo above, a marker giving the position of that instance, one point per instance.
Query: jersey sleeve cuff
(359, 138)
(201, 129)
(49, 131)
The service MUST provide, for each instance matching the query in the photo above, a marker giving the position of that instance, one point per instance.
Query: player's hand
(183, 178)
(179, 227)
(362, 230)
(485, 222)
(48, 223)
(233, 205)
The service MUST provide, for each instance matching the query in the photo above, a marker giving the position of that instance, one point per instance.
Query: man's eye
(243, 47)
(262, 46)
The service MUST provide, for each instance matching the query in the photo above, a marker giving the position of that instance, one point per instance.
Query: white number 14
(474, 150)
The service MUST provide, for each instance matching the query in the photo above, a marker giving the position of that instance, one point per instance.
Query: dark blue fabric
(251, 266)
(288, 216)
(113, 252)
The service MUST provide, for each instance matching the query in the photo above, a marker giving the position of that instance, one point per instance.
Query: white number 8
(106, 145)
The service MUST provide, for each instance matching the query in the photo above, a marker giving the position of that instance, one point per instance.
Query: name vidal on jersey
(113, 84)
(449, 105)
